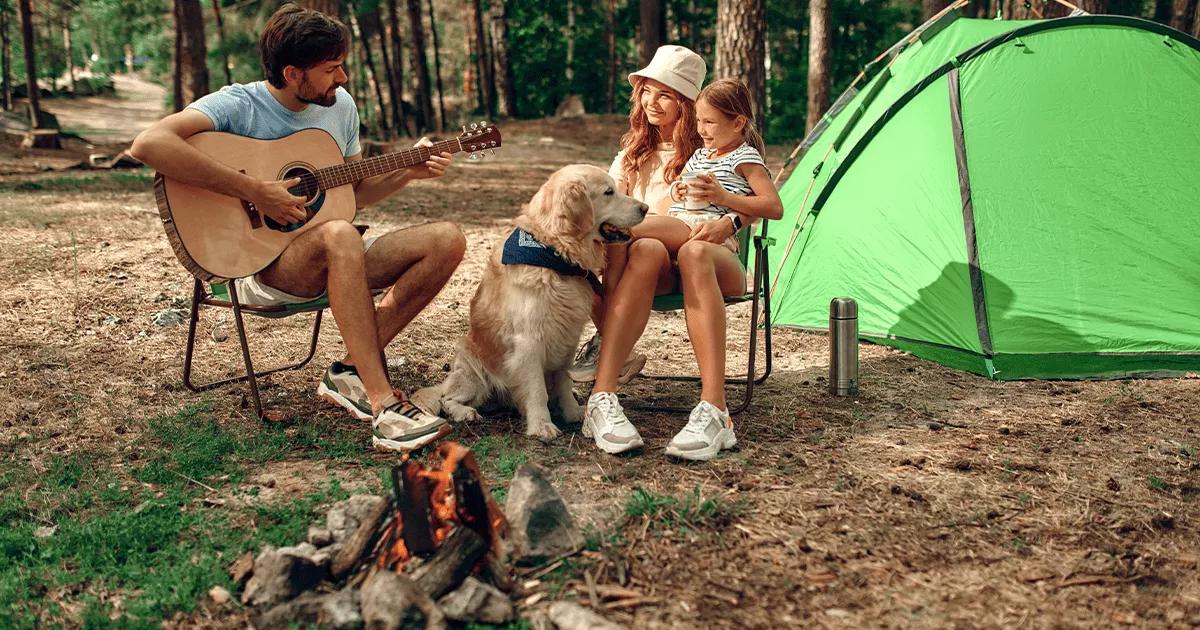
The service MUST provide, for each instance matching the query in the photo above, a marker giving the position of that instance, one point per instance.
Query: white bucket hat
(676, 67)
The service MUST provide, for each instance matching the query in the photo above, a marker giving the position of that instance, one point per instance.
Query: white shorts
(254, 292)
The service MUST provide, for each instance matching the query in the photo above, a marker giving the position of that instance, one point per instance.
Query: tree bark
(929, 8)
(741, 48)
(374, 24)
(66, 35)
(570, 36)
(1183, 14)
(216, 6)
(362, 31)
(396, 72)
(328, 7)
(478, 50)
(504, 78)
(419, 65)
(1038, 9)
(437, 70)
(5, 59)
(610, 10)
(653, 32)
(819, 36)
(26, 12)
(192, 63)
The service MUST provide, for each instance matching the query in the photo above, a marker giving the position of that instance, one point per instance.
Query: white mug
(688, 179)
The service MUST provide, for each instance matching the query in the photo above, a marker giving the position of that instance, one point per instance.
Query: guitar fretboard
(341, 174)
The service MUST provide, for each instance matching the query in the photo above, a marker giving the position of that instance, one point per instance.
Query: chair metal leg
(251, 375)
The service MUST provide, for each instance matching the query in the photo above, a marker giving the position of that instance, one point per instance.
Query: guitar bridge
(252, 212)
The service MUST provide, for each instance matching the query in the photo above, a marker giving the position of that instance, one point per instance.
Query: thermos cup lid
(843, 308)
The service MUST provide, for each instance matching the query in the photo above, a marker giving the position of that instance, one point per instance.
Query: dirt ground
(935, 499)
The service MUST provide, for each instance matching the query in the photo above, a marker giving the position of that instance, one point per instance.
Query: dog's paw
(544, 431)
(571, 412)
(460, 413)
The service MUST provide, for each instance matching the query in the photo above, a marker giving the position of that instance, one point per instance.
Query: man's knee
(451, 240)
(338, 236)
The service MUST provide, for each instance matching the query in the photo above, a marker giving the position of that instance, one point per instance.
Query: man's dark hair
(295, 36)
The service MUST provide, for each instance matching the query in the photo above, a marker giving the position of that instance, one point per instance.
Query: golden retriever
(526, 320)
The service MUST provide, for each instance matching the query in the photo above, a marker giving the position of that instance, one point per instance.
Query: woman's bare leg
(669, 231)
(627, 307)
(707, 273)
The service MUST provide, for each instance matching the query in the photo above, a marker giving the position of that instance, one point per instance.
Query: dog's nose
(643, 208)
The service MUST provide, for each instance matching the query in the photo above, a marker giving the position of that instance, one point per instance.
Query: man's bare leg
(416, 263)
(330, 258)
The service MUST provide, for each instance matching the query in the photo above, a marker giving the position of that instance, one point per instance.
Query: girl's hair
(732, 98)
(641, 141)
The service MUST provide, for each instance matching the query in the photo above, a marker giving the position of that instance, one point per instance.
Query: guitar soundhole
(307, 188)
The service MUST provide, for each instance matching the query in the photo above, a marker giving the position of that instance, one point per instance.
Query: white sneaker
(401, 426)
(708, 431)
(604, 421)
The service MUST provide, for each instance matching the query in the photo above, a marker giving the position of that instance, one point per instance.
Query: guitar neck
(342, 174)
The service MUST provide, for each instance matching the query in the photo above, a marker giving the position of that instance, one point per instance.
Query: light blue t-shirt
(250, 110)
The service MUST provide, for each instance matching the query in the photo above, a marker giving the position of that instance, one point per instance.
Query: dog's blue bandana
(521, 248)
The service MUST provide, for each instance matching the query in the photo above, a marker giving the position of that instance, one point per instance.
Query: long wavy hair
(642, 139)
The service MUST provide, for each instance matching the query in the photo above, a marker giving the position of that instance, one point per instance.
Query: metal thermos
(843, 347)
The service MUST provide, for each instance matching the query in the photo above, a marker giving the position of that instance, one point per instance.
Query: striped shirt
(724, 170)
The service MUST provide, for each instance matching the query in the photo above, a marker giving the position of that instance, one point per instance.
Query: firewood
(363, 540)
(454, 560)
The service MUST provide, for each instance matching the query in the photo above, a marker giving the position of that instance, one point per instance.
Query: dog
(526, 320)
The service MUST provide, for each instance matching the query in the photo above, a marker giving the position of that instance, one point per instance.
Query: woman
(698, 261)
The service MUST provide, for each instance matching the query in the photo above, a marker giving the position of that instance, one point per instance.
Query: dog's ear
(570, 210)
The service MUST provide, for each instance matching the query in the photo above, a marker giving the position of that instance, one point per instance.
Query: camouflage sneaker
(401, 426)
(584, 368)
(342, 387)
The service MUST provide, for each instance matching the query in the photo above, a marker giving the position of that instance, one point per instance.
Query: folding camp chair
(224, 295)
(759, 294)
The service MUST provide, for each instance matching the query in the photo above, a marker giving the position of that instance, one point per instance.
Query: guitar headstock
(479, 137)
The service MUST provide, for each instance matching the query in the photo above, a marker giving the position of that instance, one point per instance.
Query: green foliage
(684, 514)
(114, 181)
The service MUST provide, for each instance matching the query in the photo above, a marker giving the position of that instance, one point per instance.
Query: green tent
(1020, 199)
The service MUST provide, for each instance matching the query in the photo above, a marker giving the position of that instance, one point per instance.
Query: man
(302, 54)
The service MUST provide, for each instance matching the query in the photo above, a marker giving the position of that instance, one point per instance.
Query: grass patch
(132, 541)
(499, 460)
(111, 182)
(685, 515)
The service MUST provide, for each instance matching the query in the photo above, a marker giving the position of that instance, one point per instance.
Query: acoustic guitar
(218, 237)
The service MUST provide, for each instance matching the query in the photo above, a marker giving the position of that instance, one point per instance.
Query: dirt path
(112, 119)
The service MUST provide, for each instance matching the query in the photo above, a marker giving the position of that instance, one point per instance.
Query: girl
(689, 250)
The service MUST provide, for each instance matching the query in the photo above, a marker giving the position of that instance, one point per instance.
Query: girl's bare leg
(707, 273)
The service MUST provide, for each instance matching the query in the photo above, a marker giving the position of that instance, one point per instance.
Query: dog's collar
(522, 248)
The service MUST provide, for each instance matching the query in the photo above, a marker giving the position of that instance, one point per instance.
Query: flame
(445, 513)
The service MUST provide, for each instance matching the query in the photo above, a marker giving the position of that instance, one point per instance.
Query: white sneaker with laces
(708, 431)
(401, 426)
(604, 421)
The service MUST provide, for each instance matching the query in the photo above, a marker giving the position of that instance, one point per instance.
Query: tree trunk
(66, 35)
(741, 49)
(478, 48)
(504, 79)
(419, 65)
(26, 11)
(396, 73)
(5, 58)
(653, 32)
(362, 30)
(610, 10)
(192, 63)
(216, 6)
(437, 70)
(570, 35)
(1182, 15)
(374, 24)
(929, 8)
(819, 36)
(1038, 9)
(328, 7)
(1095, 7)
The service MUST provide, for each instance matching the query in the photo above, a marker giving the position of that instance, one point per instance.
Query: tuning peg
(483, 123)
(464, 128)
(474, 126)
(474, 157)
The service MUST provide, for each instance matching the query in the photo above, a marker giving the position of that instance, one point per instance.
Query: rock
(344, 517)
(45, 531)
(281, 576)
(326, 610)
(477, 601)
(219, 595)
(570, 107)
(540, 525)
(386, 598)
(169, 317)
(319, 536)
(572, 616)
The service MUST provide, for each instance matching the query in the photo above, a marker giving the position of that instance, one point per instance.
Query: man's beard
(306, 94)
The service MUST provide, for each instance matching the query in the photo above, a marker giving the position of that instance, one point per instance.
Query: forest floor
(934, 499)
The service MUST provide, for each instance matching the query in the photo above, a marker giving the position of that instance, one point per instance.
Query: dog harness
(522, 248)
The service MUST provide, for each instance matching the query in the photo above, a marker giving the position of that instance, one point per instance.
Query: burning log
(452, 563)
(363, 540)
